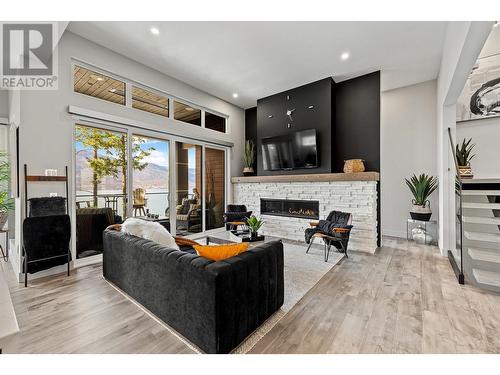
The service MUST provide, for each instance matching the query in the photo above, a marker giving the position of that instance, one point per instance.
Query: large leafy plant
(248, 154)
(464, 151)
(254, 224)
(421, 187)
(6, 203)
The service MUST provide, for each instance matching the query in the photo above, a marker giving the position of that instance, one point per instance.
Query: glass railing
(455, 255)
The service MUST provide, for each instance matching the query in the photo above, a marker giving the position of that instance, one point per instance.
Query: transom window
(98, 85)
(150, 102)
(186, 113)
(214, 122)
(91, 82)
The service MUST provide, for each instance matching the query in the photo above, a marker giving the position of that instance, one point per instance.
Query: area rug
(301, 272)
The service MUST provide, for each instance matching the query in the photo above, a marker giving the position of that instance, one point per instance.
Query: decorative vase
(465, 171)
(253, 236)
(248, 171)
(421, 237)
(422, 213)
(354, 166)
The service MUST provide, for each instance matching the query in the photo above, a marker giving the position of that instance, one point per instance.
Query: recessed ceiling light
(235, 95)
(189, 109)
(344, 56)
(154, 31)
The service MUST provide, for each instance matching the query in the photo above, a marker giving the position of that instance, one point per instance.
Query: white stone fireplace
(355, 193)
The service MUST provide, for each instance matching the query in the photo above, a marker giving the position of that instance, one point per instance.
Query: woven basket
(354, 166)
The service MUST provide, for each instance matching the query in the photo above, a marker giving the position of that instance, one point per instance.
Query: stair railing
(452, 255)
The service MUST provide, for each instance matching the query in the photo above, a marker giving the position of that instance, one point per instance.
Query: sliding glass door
(101, 178)
(109, 161)
(188, 193)
(150, 179)
(215, 187)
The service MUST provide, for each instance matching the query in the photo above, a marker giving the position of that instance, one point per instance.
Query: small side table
(411, 224)
(5, 255)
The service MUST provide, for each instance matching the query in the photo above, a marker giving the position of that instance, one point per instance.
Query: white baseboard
(393, 233)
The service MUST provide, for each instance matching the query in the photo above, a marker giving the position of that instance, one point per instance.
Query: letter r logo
(27, 49)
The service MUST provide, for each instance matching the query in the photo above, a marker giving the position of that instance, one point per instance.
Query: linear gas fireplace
(290, 208)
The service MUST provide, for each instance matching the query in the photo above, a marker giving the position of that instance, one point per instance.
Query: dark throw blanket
(336, 219)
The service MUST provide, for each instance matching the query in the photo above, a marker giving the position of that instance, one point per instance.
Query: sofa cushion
(149, 230)
(220, 252)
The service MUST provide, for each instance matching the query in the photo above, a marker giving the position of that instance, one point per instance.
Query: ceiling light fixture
(154, 31)
(344, 56)
(235, 95)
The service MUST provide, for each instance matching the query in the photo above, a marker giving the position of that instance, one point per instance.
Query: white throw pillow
(149, 230)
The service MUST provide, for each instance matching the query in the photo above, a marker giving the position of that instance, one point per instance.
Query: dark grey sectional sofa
(215, 305)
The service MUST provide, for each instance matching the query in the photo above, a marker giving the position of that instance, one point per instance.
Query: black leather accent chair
(215, 305)
(235, 212)
(334, 230)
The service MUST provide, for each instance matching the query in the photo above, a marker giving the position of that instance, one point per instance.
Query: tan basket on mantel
(354, 166)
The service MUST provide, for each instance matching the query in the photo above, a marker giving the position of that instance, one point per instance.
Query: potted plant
(6, 203)
(254, 224)
(421, 187)
(248, 157)
(463, 153)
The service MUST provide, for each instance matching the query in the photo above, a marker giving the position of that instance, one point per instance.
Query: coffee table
(228, 237)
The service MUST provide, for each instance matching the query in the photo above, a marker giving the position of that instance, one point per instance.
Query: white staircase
(481, 234)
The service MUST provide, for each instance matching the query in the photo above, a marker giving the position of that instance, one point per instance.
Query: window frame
(129, 84)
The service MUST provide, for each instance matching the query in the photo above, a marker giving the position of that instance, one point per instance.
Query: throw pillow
(149, 230)
(220, 252)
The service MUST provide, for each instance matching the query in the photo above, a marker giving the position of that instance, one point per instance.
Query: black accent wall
(273, 121)
(346, 116)
(357, 122)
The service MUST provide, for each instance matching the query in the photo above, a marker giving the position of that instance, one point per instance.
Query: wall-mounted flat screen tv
(290, 151)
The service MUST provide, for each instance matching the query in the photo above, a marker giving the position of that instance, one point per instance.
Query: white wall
(46, 127)
(485, 133)
(4, 103)
(408, 145)
(462, 45)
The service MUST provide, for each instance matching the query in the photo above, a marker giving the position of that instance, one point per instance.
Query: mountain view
(152, 177)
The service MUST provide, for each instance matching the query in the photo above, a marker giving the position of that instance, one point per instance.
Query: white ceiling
(258, 59)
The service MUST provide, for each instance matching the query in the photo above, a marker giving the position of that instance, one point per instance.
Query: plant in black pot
(421, 187)
(254, 224)
(463, 153)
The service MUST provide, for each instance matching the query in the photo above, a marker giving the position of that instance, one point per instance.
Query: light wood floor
(403, 299)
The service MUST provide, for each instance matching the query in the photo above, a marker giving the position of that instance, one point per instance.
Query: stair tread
(489, 206)
(480, 192)
(485, 255)
(481, 236)
(481, 220)
(487, 277)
